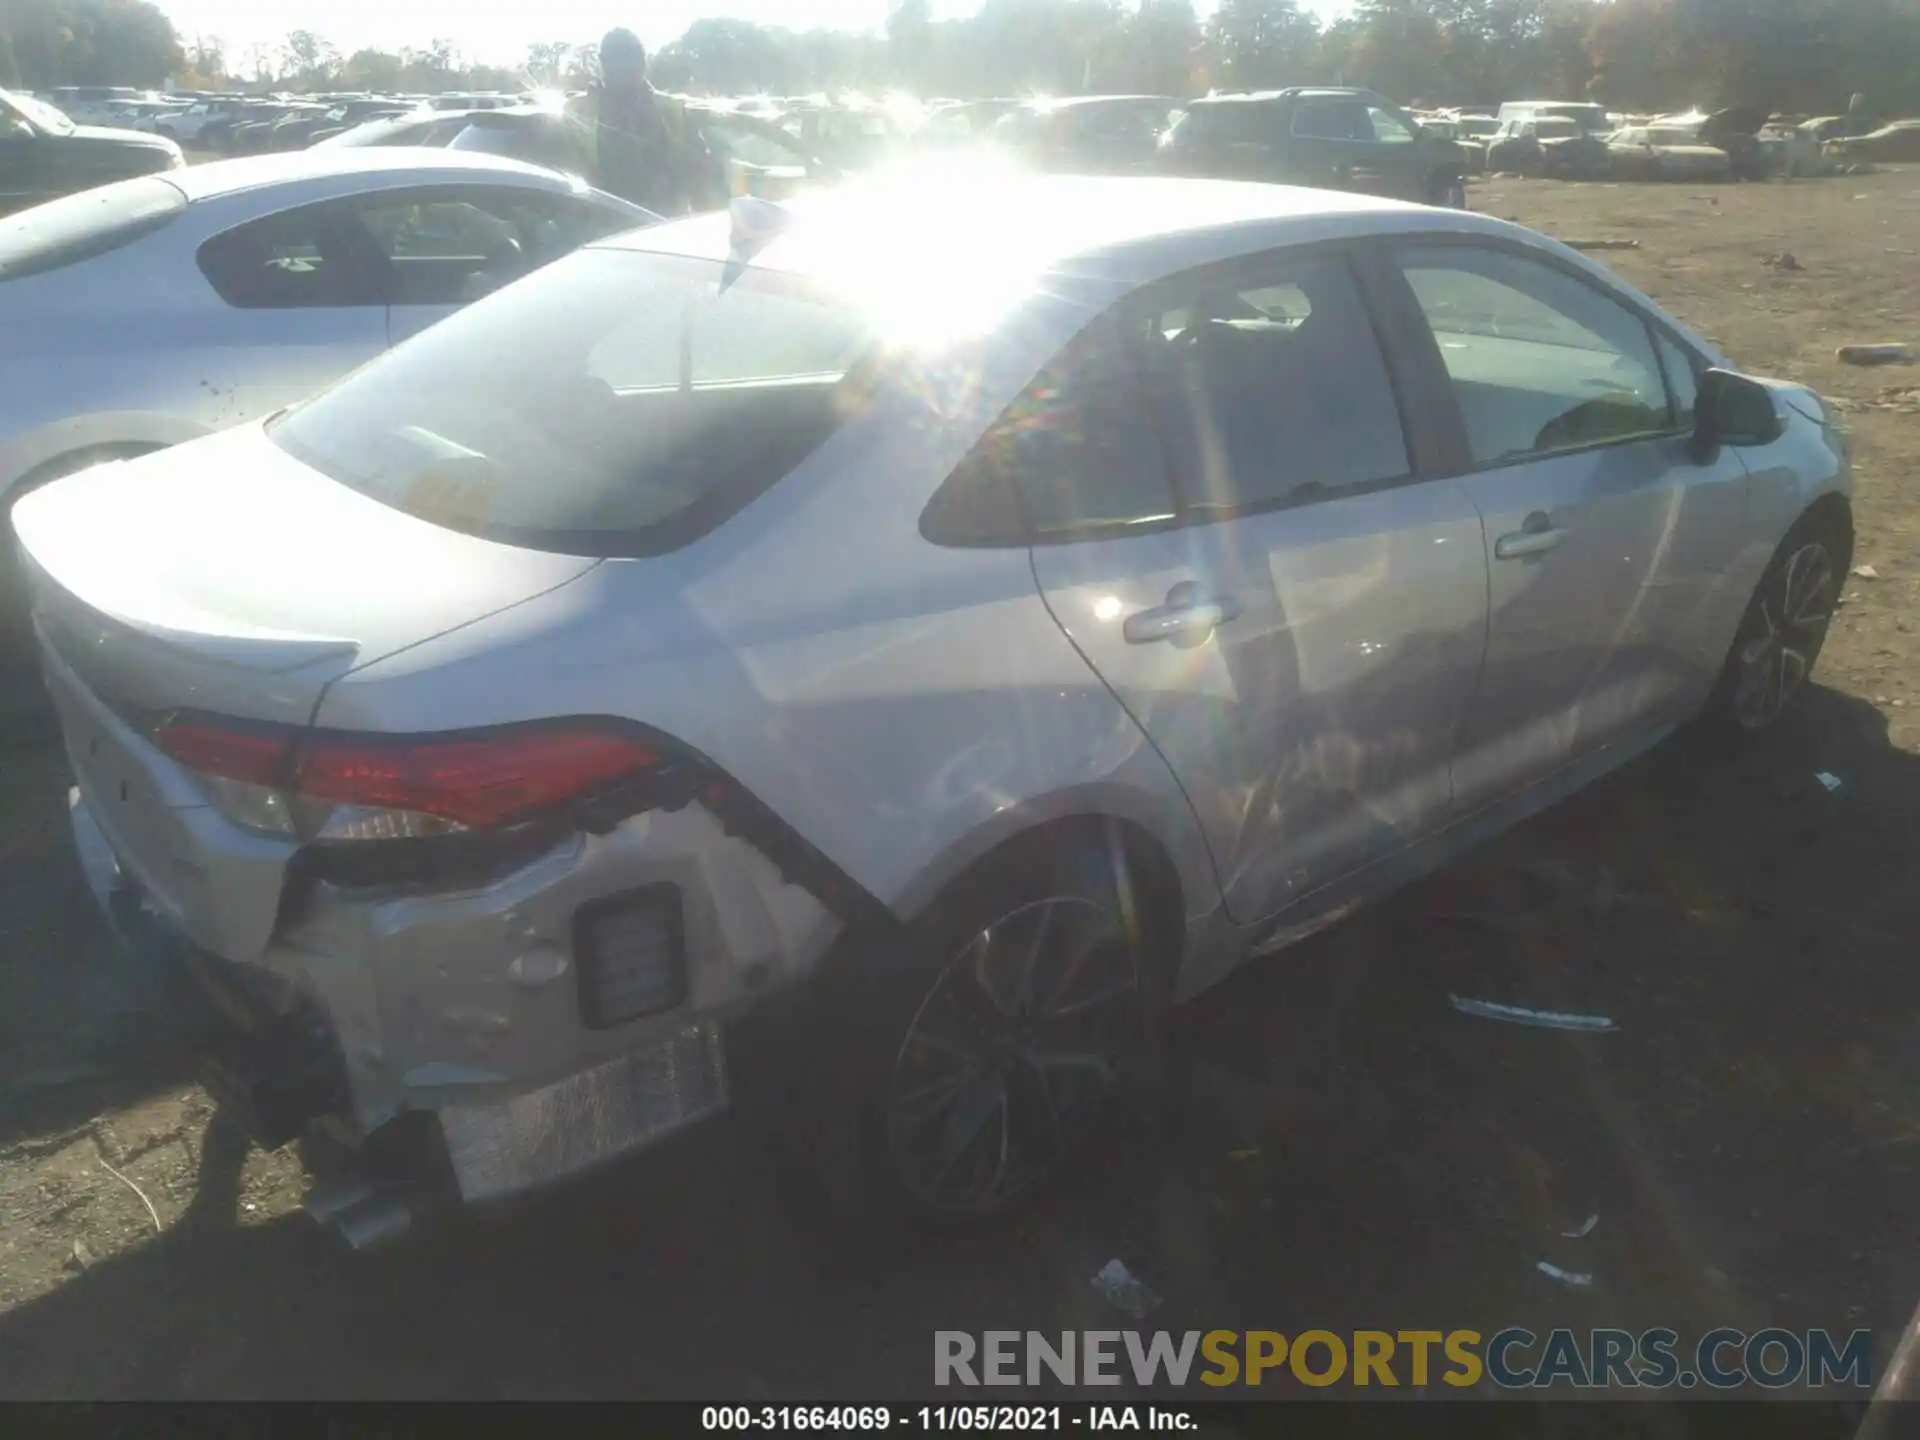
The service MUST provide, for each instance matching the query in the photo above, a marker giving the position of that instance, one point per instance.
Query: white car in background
(159, 309)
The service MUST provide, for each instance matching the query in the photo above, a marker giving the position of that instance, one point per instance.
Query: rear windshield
(615, 403)
(79, 227)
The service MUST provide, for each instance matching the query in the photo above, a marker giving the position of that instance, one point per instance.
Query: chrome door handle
(1192, 620)
(1527, 542)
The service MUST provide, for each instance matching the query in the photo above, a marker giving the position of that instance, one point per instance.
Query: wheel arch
(1833, 511)
(67, 445)
(1162, 836)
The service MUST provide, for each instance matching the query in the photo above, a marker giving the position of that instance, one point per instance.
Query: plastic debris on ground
(1572, 1279)
(1875, 354)
(1125, 1291)
(1828, 779)
(1865, 572)
(1583, 1230)
(1520, 1015)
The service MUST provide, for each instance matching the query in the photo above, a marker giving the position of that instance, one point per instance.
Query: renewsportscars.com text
(1513, 1358)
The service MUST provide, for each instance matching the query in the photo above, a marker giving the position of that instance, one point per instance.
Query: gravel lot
(1354, 1152)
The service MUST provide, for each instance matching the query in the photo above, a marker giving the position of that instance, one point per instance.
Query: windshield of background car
(78, 227)
(37, 113)
(1555, 127)
(615, 403)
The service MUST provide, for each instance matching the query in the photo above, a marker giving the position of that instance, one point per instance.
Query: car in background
(1588, 118)
(573, 755)
(1088, 134)
(850, 137)
(1335, 138)
(1472, 133)
(416, 127)
(1554, 146)
(352, 114)
(1733, 130)
(170, 306)
(186, 122)
(93, 104)
(136, 114)
(244, 131)
(750, 156)
(44, 155)
(475, 100)
(960, 122)
(1660, 151)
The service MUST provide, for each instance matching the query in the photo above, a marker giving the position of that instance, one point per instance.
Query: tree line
(1796, 55)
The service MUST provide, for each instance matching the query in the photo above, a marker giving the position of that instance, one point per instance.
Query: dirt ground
(1355, 1152)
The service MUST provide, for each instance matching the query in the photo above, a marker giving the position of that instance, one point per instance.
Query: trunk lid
(227, 576)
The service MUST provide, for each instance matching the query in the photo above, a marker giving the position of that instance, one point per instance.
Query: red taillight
(480, 781)
(255, 754)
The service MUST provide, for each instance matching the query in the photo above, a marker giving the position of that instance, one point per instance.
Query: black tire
(1780, 636)
(892, 1122)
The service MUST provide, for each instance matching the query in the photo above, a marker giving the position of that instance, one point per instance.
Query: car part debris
(1572, 1279)
(1828, 779)
(1875, 354)
(1125, 1291)
(1543, 1019)
(1584, 1230)
(1865, 572)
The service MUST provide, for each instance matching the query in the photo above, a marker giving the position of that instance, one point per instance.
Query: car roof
(1067, 223)
(252, 172)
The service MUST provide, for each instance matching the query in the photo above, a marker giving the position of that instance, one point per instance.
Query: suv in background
(1331, 138)
(44, 155)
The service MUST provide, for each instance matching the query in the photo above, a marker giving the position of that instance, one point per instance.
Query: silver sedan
(940, 641)
(163, 308)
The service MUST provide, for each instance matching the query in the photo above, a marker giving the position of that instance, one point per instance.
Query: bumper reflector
(499, 1148)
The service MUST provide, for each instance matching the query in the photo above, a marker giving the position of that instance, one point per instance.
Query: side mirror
(1731, 409)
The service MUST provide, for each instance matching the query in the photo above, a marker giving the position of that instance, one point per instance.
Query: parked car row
(777, 657)
(43, 154)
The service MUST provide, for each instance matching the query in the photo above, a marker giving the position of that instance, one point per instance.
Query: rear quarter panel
(904, 706)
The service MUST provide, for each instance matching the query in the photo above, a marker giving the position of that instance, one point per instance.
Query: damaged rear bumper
(299, 1047)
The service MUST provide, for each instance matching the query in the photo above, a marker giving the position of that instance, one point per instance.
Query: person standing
(637, 143)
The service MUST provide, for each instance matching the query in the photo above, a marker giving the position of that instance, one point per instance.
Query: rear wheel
(1785, 626)
(974, 1056)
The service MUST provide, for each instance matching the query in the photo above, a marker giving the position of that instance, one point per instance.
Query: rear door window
(313, 257)
(1270, 384)
(1075, 457)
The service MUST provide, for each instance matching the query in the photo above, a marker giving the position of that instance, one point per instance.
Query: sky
(500, 33)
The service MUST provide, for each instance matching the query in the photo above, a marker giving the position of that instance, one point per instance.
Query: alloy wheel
(1792, 613)
(1012, 1059)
